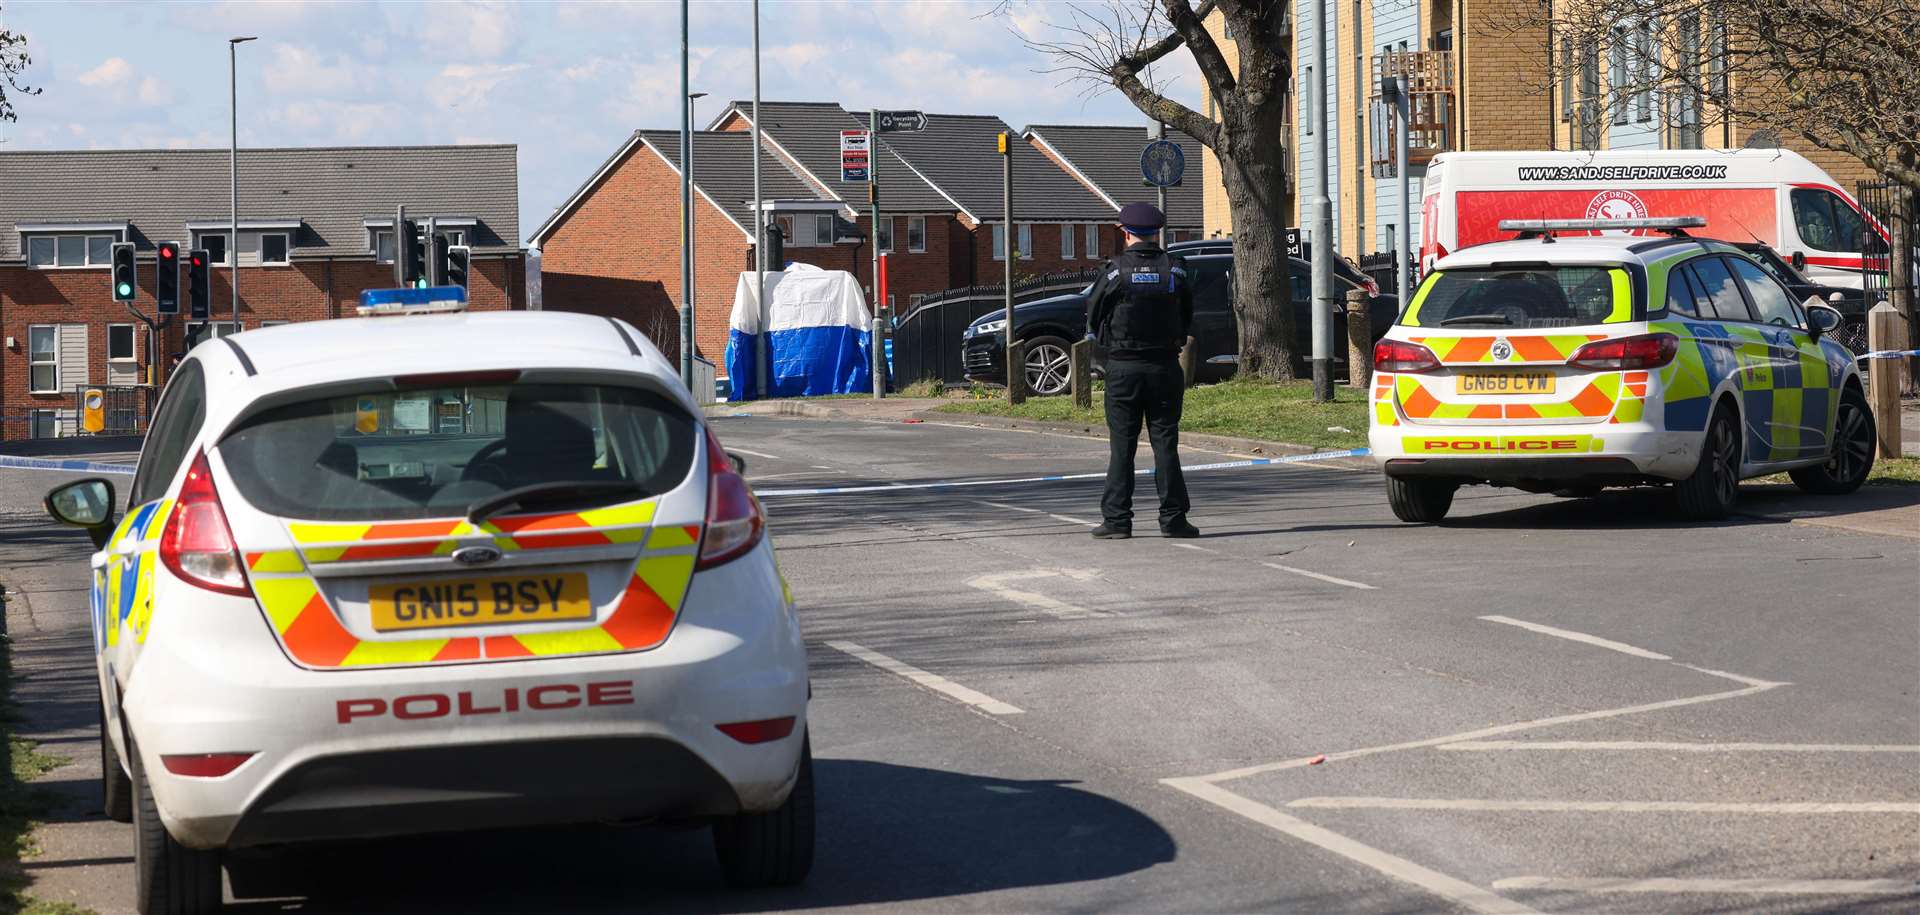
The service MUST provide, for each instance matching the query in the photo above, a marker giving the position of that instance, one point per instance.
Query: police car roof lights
(1536, 228)
(418, 300)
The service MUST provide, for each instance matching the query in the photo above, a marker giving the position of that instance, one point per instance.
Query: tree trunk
(1254, 171)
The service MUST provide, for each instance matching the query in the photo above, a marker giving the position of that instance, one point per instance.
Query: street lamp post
(686, 214)
(233, 173)
(687, 330)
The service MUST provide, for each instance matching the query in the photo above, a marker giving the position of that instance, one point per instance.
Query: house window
(46, 424)
(1618, 68)
(43, 360)
(1643, 70)
(886, 235)
(823, 229)
(383, 246)
(45, 251)
(1093, 242)
(273, 248)
(215, 246)
(120, 343)
(916, 234)
(1066, 241)
(1717, 58)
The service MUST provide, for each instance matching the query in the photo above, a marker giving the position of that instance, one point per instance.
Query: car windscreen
(434, 451)
(1522, 296)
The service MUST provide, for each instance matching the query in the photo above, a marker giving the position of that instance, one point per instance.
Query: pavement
(1543, 705)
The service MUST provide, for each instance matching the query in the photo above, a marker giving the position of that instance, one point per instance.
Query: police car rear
(1574, 363)
(439, 572)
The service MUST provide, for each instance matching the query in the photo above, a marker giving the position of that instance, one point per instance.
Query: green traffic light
(125, 289)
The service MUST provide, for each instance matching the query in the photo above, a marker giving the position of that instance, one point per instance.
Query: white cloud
(469, 84)
(111, 73)
(152, 91)
(304, 70)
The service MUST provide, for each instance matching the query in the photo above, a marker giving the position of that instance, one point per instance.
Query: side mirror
(1822, 319)
(1799, 260)
(84, 503)
(739, 463)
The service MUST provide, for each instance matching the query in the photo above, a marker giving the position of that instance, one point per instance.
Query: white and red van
(1771, 195)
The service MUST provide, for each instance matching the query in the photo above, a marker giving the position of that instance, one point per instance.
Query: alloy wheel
(1047, 369)
(1853, 448)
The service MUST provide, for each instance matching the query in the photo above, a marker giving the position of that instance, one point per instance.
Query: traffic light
(125, 282)
(198, 290)
(413, 254)
(459, 257)
(437, 269)
(166, 286)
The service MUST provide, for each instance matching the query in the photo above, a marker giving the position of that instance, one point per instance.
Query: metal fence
(1880, 201)
(926, 341)
(122, 409)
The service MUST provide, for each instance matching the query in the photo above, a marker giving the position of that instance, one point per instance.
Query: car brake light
(197, 544)
(1401, 356)
(758, 731)
(1649, 351)
(735, 522)
(204, 765)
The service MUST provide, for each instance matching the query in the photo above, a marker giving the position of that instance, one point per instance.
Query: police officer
(1140, 311)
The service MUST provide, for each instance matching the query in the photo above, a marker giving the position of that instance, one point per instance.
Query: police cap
(1142, 216)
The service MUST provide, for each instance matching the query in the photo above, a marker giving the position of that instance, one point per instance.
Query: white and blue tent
(818, 333)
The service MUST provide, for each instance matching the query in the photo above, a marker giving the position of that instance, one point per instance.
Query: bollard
(1359, 338)
(1189, 359)
(1017, 372)
(1886, 330)
(1082, 355)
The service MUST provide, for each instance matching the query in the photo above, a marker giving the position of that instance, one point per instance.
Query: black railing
(926, 341)
(1879, 199)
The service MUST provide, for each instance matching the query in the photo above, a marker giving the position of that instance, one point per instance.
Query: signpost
(1162, 165)
(855, 156)
(878, 122)
(900, 121)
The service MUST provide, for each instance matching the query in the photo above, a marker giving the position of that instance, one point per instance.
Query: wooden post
(1359, 339)
(1189, 359)
(1017, 372)
(1886, 330)
(1082, 355)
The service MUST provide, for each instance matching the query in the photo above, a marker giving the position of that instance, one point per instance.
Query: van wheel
(1851, 457)
(1420, 501)
(116, 789)
(168, 878)
(1709, 493)
(773, 848)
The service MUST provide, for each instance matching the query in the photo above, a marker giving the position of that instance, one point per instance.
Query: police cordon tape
(1052, 478)
(27, 463)
(1888, 354)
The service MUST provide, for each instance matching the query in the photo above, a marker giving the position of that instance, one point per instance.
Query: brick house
(316, 228)
(1107, 161)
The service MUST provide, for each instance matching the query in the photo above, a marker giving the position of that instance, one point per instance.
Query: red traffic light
(166, 252)
(198, 263)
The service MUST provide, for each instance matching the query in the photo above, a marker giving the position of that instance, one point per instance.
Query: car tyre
(168, 878)
(1049, 366)
(773, 848)
(1709, 493)
(1420, 501)
(116, 788)
(1851, 457)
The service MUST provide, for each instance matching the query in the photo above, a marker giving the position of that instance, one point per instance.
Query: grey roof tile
(332, 189)
(1110, 158)
(723, 169)
(810, 132)
(959, 154)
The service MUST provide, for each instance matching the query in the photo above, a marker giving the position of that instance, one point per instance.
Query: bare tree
(13, 62)
(1112, 44)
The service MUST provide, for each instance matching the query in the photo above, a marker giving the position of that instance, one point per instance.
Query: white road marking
(934, 682)
(996, 585)
(1074, 520)
(1703, 885)
(1536, 806)
(1189, 546)
(1727, 676)
(1016, 508)
(758, 454)
(1454, 889)
(1319, 577)
(1675, 747)
(1571, 635)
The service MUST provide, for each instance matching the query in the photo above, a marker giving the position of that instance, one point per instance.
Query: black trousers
(1152, 391)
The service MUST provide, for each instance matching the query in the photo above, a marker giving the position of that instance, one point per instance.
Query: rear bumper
(1597, 453)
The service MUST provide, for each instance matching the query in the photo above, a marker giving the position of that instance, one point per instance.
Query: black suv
(1049, 326)
(1851, 303)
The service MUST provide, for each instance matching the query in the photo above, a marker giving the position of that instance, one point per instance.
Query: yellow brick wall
(1216, 217)
(1503, 96)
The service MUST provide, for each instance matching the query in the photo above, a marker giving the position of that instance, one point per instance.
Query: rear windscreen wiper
(1476, 319)
(528, 496)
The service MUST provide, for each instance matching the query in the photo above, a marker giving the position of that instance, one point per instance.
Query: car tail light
(1650, 351)
(197, 544)
(735, 522)
(1401, 356)
(758, 731)
(204, 765)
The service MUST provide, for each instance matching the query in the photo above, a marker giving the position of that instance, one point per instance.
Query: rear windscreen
(431, 452)
(1542, 296)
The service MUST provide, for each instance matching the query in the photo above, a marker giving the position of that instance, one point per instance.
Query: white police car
(398, 575)
(1567, 362)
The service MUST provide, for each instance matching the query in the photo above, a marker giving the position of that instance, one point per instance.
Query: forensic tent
(818, 334)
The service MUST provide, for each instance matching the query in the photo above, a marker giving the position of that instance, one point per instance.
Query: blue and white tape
(1889, 354)
(1053, 478)
(8, 461)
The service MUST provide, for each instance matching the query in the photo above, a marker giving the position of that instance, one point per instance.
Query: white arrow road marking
(996, 585)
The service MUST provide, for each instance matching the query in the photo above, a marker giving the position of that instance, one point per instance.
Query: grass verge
(1900, 471)
(21, 803)
(1242, 408)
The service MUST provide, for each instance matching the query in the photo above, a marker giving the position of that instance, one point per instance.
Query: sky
(565, 81)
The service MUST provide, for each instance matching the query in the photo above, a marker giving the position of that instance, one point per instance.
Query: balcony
(1430, 111)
